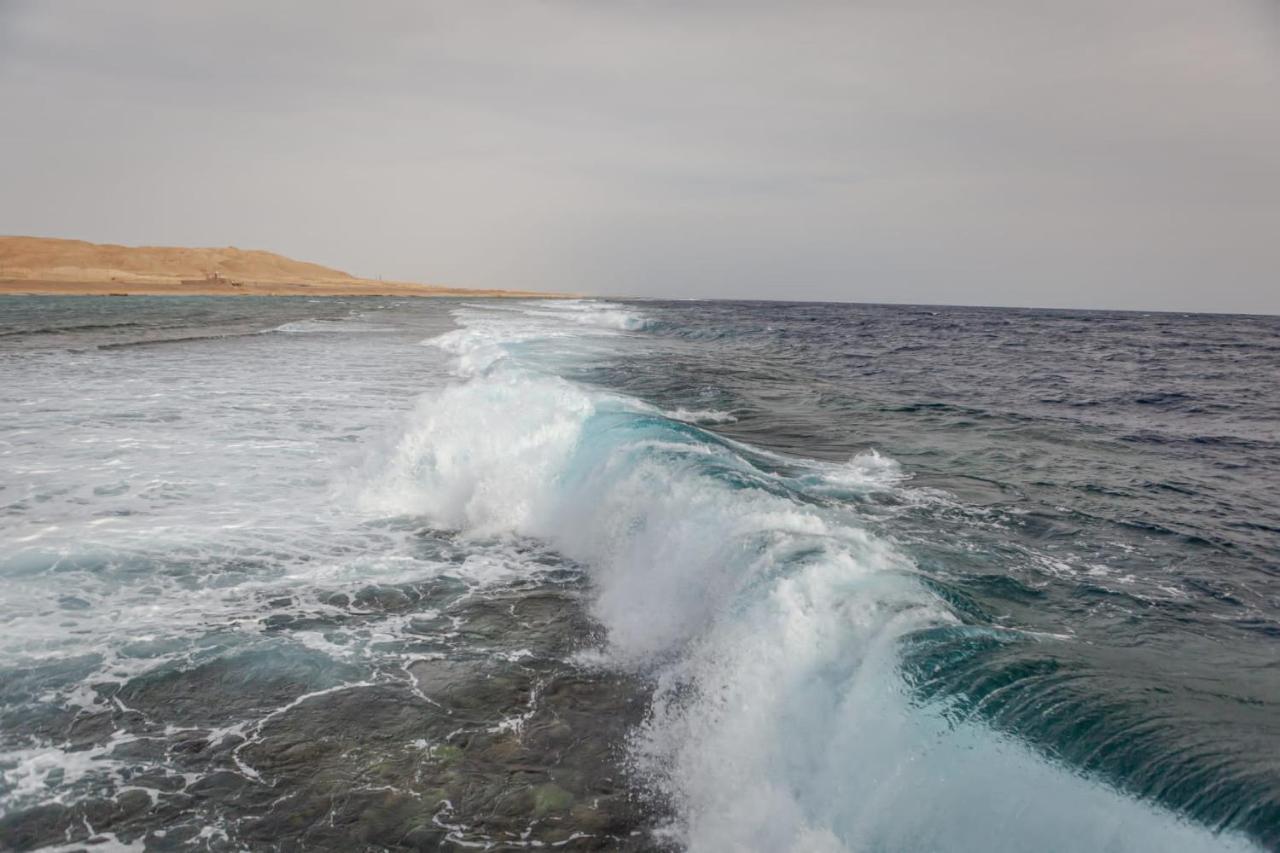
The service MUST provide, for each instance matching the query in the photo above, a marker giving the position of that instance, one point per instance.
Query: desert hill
(51, 265)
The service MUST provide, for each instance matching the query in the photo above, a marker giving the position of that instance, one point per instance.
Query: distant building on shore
(214, 277)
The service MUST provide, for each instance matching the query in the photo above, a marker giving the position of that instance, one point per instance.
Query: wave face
(794, 648)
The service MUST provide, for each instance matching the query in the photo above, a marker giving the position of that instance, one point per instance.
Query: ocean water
(436, 574)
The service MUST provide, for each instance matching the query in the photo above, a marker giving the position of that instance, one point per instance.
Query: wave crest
(768, 619)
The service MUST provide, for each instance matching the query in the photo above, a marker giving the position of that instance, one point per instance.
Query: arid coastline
(45, 266)
(41, 287)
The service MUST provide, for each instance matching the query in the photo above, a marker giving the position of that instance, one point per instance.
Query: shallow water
(366, 574)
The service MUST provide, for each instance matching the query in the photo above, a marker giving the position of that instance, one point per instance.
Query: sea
(394, 574)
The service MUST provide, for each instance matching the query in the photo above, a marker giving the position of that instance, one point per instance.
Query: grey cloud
(1109, 154)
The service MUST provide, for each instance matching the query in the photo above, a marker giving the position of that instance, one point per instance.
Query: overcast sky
(1095, 153)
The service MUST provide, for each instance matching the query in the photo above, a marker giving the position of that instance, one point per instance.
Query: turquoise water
(380, 574)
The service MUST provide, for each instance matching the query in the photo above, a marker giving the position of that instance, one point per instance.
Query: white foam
(487, 334)
(867, 469)
(779, 721)
(701, 416)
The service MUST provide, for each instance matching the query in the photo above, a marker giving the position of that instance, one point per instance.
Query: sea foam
(769, 622)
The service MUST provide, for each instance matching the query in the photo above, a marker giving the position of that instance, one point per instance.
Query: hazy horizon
(1102, 155)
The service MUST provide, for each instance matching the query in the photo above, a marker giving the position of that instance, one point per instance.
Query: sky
(1093, 153)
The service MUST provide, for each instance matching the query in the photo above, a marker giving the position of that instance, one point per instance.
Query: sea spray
(768, 619)
(943, 580)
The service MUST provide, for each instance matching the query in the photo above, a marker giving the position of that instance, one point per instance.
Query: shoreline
(359, 287)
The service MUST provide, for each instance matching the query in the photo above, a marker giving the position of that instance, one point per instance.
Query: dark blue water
(396, 574)
(1113, 513)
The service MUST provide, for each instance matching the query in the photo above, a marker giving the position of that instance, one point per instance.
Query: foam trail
(701, 416)
(771, 623)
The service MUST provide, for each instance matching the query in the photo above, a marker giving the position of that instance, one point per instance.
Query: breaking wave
(768, 618)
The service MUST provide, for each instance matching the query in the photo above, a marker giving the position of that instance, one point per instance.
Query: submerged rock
(465, 725)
